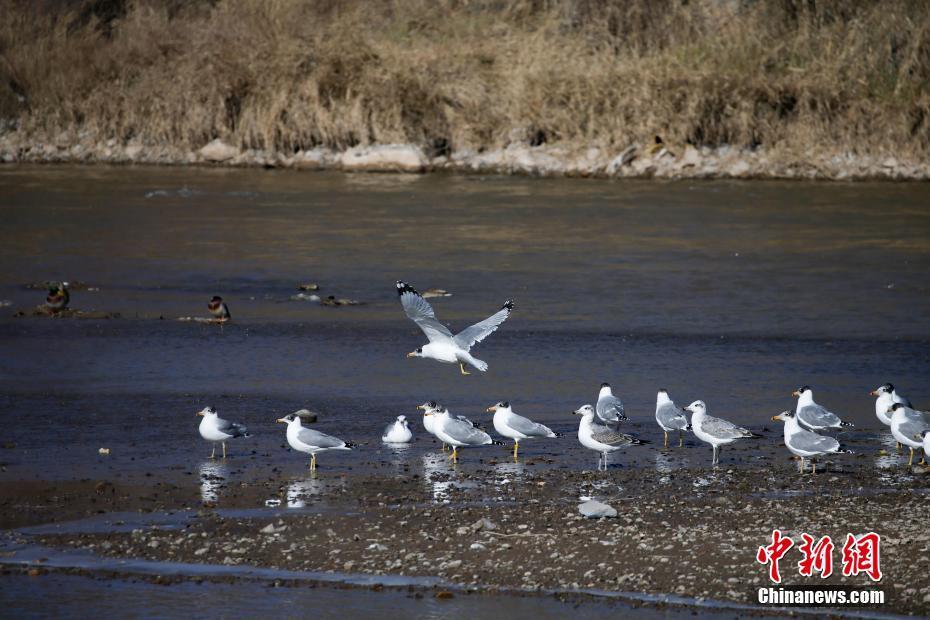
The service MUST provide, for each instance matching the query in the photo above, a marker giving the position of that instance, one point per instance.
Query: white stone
(594, 509)
(218, 151)
(385, 158)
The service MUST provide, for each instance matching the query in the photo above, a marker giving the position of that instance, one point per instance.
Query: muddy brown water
(734, 293)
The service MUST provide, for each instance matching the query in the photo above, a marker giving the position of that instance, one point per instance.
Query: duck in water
(58, 297)
(219, 309)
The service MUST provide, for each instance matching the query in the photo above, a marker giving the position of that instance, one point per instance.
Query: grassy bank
(794, 77)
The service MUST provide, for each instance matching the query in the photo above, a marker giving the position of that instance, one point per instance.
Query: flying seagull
(443, 346)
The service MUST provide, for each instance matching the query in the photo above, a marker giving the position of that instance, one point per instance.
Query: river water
(733, 293)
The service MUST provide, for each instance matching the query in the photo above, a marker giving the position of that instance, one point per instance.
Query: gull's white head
(207, 411)
(418, 352)
(501, 406)
(402, 420)
(882, 390)
(429, 407)
(289, 419)
(584, 410)
(804, 394)
(697, 407)
(894, 407)
(784, 416)
(662, 397)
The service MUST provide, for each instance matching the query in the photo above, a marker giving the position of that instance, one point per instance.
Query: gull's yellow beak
(428, 413)
(281, 420)
(423, 407)
(795, 393)
(775, 417)
(411, 354)
(492, 408)
(873, 393)
(200, 413)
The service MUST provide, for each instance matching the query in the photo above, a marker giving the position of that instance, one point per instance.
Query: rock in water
(385, 158)
(218, 151)
(594, 509)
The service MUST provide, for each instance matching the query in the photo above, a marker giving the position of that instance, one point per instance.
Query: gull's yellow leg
(516, 447)
(455, 454)
(444, 448)
(462, 368)
(898, 445)
(813, 466)
(312, 462)
(910, 461)
(665, 443)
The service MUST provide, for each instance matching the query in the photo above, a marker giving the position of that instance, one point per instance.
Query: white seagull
(509, 424)
(814, 417)
(397, 431)
(609, 408)
(599, 437)
(670, 417)
(807, 444)
(429, 421)
(457, 433)
(907, 424)
(310, 441)
(213, 428)
(443, 346)
(887, 396)
(715, 431)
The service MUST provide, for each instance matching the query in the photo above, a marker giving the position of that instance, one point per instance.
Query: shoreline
(656, 161)
(689, 534)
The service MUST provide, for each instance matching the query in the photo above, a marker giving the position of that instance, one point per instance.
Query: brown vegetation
(796, 76)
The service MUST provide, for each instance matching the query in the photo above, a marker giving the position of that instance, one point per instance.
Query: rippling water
(733, 293)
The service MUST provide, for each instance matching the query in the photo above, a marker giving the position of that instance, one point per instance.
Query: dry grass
(793, 75)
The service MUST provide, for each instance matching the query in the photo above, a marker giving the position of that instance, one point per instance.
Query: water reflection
(212, 479)
(298, 492)
(437, 475)
(888, 457)
(398, 453)
(508, 472)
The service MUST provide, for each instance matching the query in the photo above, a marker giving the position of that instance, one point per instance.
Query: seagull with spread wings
(443, 346)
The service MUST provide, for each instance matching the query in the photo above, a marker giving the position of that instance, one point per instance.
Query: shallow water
(734, 293)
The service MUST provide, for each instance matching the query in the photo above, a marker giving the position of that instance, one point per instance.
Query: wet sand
(689, 533)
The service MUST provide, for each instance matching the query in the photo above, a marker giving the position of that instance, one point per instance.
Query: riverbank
(691, 533)
(665, 89)
(635, 161)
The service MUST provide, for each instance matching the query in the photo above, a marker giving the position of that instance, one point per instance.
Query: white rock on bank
(314, 159)
(218, 151)
(384, 158)
(594, 509)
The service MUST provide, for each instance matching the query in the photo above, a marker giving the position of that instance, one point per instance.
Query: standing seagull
(457, 433)
(599, 437)
(213, 428)
(516, 427)
(219, 309)
(609, 408)
(906, 424)
(670, 417)
(804, 443)
(887, 396)
(397, 431)
(443, 346)
(429, 421)
(715, 431)
(814, 417)
(310, 441)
